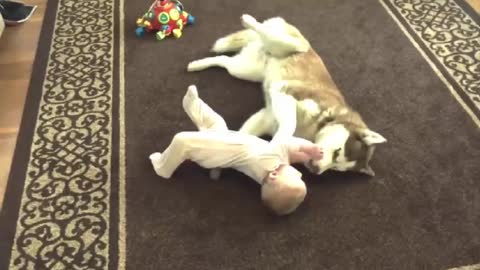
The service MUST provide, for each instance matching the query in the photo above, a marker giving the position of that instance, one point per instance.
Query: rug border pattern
(48, 231)
(451, 56)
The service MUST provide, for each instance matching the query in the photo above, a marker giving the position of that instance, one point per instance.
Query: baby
(268, 163)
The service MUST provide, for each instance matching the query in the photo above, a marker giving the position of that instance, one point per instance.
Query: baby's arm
(284, 109)
(301, 150)
(285, 113)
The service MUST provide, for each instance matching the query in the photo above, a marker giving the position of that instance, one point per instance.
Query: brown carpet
(418, 88)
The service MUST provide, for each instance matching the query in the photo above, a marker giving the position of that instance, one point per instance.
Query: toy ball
(164, 18)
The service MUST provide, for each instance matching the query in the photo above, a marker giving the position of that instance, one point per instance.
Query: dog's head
(346, 148)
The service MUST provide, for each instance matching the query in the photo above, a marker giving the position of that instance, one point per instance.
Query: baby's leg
(202, 115)
(167, 162)
(209, 149)
(234, 42)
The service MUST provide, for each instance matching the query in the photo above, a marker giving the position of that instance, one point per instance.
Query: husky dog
(276, 54)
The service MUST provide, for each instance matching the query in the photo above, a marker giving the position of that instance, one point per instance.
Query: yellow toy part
(177, 33)
(160, 35)
(174, 14)
(180, 24)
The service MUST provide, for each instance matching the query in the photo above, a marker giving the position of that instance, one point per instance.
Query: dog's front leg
(216, 61)
(243, 66)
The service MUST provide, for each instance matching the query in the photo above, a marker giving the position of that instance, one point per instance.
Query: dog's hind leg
(234, 42)
(275, 36)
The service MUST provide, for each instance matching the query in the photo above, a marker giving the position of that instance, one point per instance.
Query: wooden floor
(17, 50)
(18, 45)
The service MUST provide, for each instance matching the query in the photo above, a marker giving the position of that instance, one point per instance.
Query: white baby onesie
(214, 146)
(223, 149)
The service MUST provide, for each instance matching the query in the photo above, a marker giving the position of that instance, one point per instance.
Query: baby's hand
(314, 151)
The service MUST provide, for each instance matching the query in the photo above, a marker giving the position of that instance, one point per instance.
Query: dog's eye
(336, 153)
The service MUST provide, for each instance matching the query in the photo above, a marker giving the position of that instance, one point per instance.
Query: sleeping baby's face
(283, 190)
(287, 174)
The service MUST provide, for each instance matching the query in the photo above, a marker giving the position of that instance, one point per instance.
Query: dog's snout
(312, 167)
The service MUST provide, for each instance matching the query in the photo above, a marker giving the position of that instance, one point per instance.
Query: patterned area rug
(82, 194)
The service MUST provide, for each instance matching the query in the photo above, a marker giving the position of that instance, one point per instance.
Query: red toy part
(164, 17)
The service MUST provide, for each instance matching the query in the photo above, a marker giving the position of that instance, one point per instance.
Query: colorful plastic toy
(164, 18)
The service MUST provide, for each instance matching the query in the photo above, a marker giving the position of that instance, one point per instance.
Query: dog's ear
(370, 137)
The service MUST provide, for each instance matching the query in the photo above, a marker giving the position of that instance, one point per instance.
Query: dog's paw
(248, 21)
(220, 46)
(195, 66)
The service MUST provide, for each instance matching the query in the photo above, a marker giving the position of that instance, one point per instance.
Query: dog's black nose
(312, 167)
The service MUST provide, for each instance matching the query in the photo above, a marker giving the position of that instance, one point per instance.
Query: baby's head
(283, 190)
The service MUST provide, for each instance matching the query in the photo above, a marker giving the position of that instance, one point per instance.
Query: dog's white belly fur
(251, 62)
